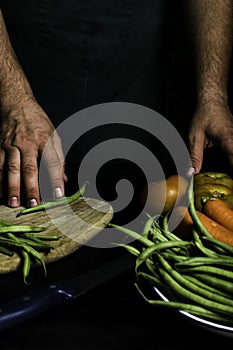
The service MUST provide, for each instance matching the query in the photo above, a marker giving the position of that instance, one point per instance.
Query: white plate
(211, 326)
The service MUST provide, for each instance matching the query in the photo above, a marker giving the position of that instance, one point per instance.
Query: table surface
(111, 316)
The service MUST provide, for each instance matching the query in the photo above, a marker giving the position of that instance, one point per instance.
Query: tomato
(161, 196)
(211, 190)
(214, 178)
(202, 192)
(228, 200)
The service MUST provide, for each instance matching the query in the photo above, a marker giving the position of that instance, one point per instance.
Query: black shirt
(80, 53)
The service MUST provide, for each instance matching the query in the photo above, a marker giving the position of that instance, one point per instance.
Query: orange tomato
(161, 196)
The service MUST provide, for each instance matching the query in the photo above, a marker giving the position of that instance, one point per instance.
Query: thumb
(196, 151)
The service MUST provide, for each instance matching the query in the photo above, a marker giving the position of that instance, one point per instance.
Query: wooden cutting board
(75, 224)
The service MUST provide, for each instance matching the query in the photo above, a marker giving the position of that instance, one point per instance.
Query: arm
(24, 131)
(211, 28)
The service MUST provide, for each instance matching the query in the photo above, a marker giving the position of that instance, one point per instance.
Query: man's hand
(210, 28)
(25, 133)
(212, 124)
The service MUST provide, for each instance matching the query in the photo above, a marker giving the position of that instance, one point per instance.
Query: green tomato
(214, 178)
(228, 200)
(209, 190)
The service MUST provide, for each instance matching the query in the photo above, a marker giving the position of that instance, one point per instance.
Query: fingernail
(58, 192)
(65, 178)
(32, 202)
(14, 202)
(190, 171)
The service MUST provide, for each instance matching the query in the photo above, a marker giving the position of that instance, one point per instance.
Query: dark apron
(81, 53)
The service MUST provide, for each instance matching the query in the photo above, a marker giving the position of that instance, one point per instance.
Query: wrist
(11, 102)
(212, 103)
(212, 95)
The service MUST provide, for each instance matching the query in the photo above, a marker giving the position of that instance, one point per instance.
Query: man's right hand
(26, 133)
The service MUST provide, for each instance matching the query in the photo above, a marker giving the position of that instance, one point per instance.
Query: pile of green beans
(25, 241)
(194, 276)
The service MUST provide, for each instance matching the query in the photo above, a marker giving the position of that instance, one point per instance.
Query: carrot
(216, 230)
(219, 211)
(185, 226)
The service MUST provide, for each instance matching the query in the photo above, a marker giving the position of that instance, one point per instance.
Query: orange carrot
(216, 230)
(219, 211)
(184, 227)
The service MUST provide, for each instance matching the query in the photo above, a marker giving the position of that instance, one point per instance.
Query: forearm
(211, 25)
(14, 87)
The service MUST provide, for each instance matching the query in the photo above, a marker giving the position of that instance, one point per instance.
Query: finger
(30, 177)
(191, 171)
(196, 151)
(58, 147)
(55, 169)
(13, 175)
(227, 146)
(2, 161)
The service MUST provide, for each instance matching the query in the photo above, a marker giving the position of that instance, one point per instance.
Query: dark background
(114, 316)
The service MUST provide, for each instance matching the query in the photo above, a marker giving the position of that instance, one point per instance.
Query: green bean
(223, 285)
(133, 234)
(171, 236)
(174, 257)
(201, 247)
(156, 235)
(31, 237)
(130, 249)
(205, 260)
(147, 227)
(206, 286)
(38, 245)
(192, 287)
(161, 235)
(21, 228)
(25, 247)
(42, 237)
(5, 223)
(5, 251)
(154, 279)
(226, 248)
(26, 265)
(215, 248)
(146, 253)
(35, 240)
(25, 257)
(55, 203)
(164, 222)
(189, 308)
(211, 270)
(192, 210)
(165, 230)
(189, 295)
(151, 268)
